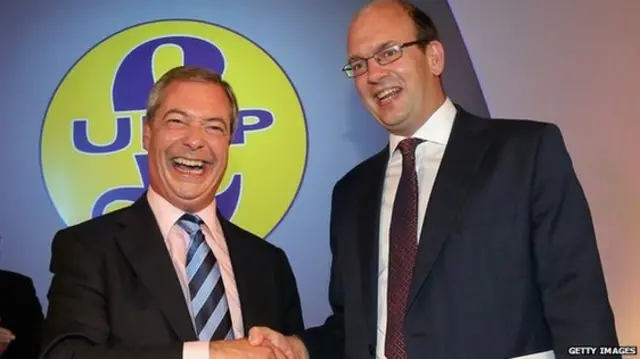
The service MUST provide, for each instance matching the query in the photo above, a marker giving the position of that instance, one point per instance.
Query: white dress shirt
(435, 133)
(177, 242)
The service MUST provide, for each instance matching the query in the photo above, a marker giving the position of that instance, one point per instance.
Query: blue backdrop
(42, 40)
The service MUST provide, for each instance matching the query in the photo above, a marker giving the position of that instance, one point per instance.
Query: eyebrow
(378, 48)
(175, 111)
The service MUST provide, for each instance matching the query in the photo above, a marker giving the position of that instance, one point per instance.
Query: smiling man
(168, 277)
(464, 237)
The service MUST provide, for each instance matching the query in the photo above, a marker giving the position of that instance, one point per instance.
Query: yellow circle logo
(91, 145)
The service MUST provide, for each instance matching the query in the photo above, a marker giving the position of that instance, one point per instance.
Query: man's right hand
(292, 347)
(241, 349)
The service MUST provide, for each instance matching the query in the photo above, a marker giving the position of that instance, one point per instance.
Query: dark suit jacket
(507, 262)
(20, 312)
(115, 293)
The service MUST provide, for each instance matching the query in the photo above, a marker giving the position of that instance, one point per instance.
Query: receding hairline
(376, 4)
(400, 6)
(186, 74)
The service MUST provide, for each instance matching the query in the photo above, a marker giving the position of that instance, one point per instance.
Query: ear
(435, 57)
(146, 133)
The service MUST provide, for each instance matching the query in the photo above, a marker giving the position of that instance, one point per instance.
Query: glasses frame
(348, 68)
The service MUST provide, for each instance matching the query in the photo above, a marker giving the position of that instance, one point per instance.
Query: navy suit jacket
(507, 263)
(115, 293)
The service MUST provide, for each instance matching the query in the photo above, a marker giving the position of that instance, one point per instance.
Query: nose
(194, 138)
(375, 71)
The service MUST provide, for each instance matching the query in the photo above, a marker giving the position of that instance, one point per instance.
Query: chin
(191, 192)
(392, 121)
(186, 190)
(193, 203)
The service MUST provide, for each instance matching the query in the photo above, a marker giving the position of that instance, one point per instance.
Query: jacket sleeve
(327, 340)
(77, 324)
(569, 270)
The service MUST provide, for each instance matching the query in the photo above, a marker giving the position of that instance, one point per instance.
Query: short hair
(190, 73)
(424, 26)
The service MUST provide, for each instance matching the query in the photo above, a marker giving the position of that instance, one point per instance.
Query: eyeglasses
(383, 57)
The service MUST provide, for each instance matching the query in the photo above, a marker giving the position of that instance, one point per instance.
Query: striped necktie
(209, 306)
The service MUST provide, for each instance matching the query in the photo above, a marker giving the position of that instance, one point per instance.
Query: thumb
(256, 336)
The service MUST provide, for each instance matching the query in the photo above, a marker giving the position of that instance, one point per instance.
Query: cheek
(418, 72)
(363, 88)
(168, 141)
(401, 73)
(220, 148)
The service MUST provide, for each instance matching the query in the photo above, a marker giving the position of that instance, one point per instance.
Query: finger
(256, 336)
(277, 353)
(6, 340)
(7, 337)
(4, 333)
(282, 344)
(267, 336)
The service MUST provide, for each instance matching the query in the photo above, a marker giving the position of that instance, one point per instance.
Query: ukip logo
(91, 144)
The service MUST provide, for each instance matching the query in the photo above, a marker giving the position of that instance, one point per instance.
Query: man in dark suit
(464, 237)
(168, 277)
(20, 317)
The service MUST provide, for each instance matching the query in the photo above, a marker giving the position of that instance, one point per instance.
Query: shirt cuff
(195, 350)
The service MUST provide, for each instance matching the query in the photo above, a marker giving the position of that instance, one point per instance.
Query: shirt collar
(167, 214)
(436, 129)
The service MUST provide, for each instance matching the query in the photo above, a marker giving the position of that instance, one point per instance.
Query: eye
(390, 52)
(357, 65)
(174, 123)
(215, 129)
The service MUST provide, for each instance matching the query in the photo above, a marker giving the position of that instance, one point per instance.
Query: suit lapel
(368, 234)
(460, 162)
(142, 244)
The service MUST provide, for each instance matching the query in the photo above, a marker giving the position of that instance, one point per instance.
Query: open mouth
(386, 96)
(189, 166)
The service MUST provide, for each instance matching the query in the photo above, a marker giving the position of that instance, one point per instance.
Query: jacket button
(372, 350)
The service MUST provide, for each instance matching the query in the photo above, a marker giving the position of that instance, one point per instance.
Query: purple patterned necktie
(403, 246)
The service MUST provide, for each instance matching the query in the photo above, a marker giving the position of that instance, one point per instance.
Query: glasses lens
(389, 55)
(348, 70)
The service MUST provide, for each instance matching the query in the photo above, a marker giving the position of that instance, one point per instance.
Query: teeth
(387, 92)
(191, 170)
(187, 162)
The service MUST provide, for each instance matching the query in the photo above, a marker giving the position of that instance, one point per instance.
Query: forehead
(198, 97)
(377, 25)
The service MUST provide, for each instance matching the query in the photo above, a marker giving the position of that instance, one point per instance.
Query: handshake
(261, 343)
